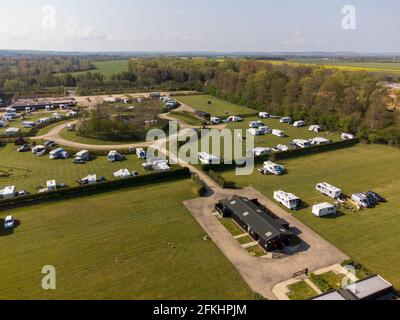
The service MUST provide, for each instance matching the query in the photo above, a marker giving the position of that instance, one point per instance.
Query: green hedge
(201, 187)
(106, 186)
(321, 283)
(221, 181)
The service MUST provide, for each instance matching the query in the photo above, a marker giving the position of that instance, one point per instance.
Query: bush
(201, 187)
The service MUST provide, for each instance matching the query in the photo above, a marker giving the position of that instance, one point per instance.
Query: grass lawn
(257, 250)
(333, 279)
(245, 240)
(28, 171)
(119, 245)
(107, 68)
(71, 136)
(186, 117)
(218, 107)
(231, 226)
(371, 236)
(301, 291)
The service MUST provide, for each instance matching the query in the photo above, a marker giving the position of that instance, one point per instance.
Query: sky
(201, 25)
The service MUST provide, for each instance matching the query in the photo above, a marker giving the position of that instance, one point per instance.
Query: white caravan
(315, 128)
(206, 158)
(51, 185)
(43, 120)
(347, 136)
(323, 209)
(282, 147)
(286, 120)
(83, 155)
(234, 119)
(141, 153)
(288, 200)
(8, 192)
(28, 124)
(328, 190)
(256, 124)
(39, 150)
(278, 133)
(123, 173)
(319, 141)
(301, 143)
(274, 168)
(261, 151)
(13, 131)
(263, 115)
(59, 153)
(114, 156)
(299, 124)
(215, 120)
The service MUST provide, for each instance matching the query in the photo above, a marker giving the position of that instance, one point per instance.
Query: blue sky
(201, 25)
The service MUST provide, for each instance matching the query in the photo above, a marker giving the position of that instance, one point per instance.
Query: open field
(375, 67)
(107, 68)
(301, 291)
(218, 107)
(28, 171)
(72, 136)
(119, 245)
(370, 236)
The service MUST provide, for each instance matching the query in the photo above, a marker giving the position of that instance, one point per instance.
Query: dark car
(79, 161)
(50, 144)
(24, 148)
(376, 196)
(371, 200)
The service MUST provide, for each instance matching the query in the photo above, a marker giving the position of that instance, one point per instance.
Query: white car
(9, 222)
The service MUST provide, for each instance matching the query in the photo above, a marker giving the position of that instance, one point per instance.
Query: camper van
(39, 150)
(141, 153)
(328, 190)
(286, 120)
(263, 115)
(315, 128)
(347, 136)
(361, 200)
(274, 168)
(299, 124)
(256, 124)
(288, 200)
(301, 143)
(278, 133)
(114, 156)
(206, 158)
(323, 209)
(83, 155)
(59, 153)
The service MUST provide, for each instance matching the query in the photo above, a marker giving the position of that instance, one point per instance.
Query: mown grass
(370, 236)
(301, 291)
(29, 172)
(231, 226)
(137, 243)
(218, 107)
(107, 68)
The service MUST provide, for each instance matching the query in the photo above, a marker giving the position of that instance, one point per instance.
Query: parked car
(9, 222)
(371, 200)
(376, 196)
(49, 144)
(24, 148)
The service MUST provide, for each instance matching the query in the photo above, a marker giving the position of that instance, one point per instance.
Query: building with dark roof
(371, 288)
(262, 225)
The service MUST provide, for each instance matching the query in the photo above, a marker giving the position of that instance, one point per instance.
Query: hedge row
(201, 187)
(221, 181)
(106, 186)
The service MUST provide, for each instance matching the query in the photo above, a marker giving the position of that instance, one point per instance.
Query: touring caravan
(323, 209)
(301, 143)
(206, 158)
(141, 153)
(90, 179)
(320, 140)
(263, 115)
(274, 168)
(234, 119)
(282, 147)
(288, 200)
(256, 124)
(286, 120)
(28, 124)
(299, 124)
(347, 136)
(260, 131)
(215, 120)
(51, 185)
(278, 133)
(123, 173)
(13, 131)
(261, 151)
(8, 192)
(315, 128)
(59, 153)
(114, 156)
(83, 155)
(39, 150)
(328, 190)
(43, 120)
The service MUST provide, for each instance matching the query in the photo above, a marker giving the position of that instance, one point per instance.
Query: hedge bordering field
(175, 174)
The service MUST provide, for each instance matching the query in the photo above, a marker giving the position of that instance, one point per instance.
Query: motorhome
(141, 153)
(261, 151)
(301, 143)
(299, 124)
(12, 131)
(215, 120)
(113, 156)
(234, 119)
(59, 153)
(278, 133)
(361, 200)
(8, 192)
(274, 168)
(28, 124)
(39, 150)
(256, 124)
(286, 120)
(347, 136)
(328, 190)
(315, 128)
(288, 200)
(323, 209)
(206, 158)
(263, 115)
(319, 140)
(83, 155)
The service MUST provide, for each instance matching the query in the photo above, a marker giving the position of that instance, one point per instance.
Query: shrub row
(106, 186)
(321, 283)
(201, 187)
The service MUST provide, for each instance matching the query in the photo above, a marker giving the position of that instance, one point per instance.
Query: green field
(218, 107)
(119, 245)
(375, 67)
(301, 291)
(72, 136)
(370, 236)
(29, 172)
(107, 68)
